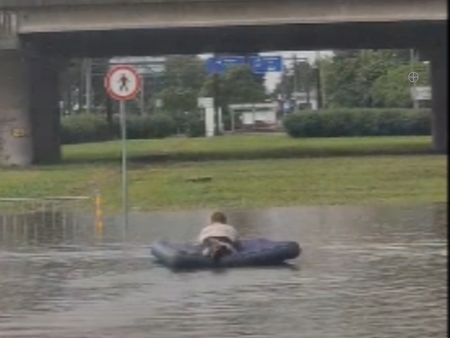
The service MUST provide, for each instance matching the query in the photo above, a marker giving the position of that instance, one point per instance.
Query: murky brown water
(364, 272)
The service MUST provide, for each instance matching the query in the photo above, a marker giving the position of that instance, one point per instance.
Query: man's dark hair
(218, 217)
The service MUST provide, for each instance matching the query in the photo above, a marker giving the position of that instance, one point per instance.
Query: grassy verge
(349, 180)
(244, 147)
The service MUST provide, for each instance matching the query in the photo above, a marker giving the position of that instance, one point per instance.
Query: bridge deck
(11, 4)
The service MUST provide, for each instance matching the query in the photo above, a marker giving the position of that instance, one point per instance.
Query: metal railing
(49, 221)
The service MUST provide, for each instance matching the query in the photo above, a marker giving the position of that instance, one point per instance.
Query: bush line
(85, 128)
(358, 122)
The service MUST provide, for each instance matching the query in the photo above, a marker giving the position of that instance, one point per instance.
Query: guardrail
(50, 220)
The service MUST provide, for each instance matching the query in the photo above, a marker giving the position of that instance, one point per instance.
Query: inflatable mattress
(258, 252)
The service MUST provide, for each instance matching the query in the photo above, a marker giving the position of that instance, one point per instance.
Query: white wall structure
(207, 103)
(250, 113)
(209, 121)
(422, 93)
(220, 120)
(301, 99)
(249, 118)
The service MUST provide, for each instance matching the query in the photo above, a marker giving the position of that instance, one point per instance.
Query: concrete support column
(29, 108)
(439, 97)
(15, 120)
(44, 109)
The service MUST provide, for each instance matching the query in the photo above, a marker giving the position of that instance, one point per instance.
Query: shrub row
(84, 128)
(94, 128)
(326, 123)
(358, 122)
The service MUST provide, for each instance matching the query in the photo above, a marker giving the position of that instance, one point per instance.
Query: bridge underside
(28, 100)
(234, 39)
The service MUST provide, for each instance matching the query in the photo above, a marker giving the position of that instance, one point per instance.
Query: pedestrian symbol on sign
(124, 83)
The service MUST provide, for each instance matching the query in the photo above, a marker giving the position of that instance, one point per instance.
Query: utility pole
(88, 84)
(216, 94)
(295, 74)
(142, 96)
(293, 99)
(308, 83)
(318, 84)
(412, 61)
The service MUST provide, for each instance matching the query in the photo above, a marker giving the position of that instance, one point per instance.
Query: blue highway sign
(258, 64)
(221, 64)
(266, 64)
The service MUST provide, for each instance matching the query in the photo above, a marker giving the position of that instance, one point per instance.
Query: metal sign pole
(123, 83)
(123, 125)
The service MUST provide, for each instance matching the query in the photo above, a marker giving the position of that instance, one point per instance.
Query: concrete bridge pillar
(15, 120)
(44, 108)
(29, 114)
(438, 76)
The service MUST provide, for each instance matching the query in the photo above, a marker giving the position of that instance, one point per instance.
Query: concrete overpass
(37, 36)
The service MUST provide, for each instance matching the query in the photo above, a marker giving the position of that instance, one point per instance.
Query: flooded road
(364, 272)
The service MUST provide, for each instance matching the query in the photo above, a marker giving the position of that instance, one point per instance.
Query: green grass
(244, 147)
(350, 180)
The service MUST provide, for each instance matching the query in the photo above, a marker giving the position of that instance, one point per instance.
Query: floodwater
(364, 272)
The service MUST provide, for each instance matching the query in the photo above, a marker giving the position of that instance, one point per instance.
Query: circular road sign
(123, 83)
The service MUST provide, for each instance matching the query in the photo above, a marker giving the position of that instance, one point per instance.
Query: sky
(272, 79)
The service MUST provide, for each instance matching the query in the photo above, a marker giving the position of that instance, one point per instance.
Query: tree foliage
(357, 79)
(182, 81)
(238, 85)
(184, 73)
(300, 77)
(393, 89)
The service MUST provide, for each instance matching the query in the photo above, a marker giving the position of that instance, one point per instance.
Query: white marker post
(207, 103)
(123, 83)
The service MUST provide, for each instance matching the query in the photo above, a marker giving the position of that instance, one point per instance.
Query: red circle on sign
(111, 92)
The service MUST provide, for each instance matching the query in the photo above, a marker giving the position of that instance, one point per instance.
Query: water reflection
(364, 272)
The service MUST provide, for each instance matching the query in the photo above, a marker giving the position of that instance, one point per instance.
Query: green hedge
(358, 122)
(196, 128)
(84, 128)
(148, 127)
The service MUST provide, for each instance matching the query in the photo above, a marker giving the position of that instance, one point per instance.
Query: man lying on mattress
(218, 239)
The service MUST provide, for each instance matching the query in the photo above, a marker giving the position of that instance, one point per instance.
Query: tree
(300, 77)
(99, 69)
(393, 89)
(181, 83)
(348, 79)
(184, 73)
(237, 85)
(176, 100)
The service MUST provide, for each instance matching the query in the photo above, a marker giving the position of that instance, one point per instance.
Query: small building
(254, 115)
(421, 96)
(303, 102)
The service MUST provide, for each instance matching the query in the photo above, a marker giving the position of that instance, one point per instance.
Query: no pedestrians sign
(123, 83)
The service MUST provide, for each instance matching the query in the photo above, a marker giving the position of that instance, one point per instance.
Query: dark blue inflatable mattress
(258, 252)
